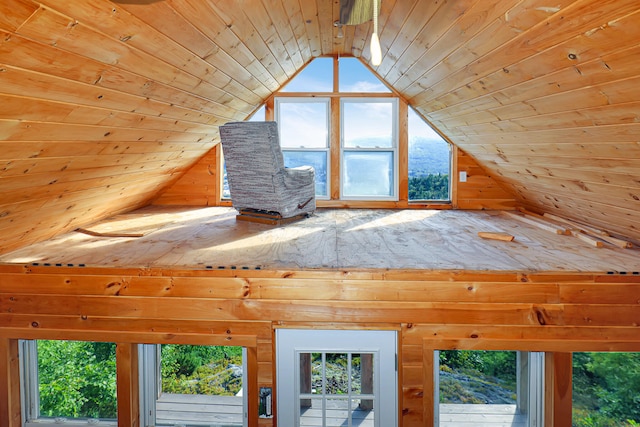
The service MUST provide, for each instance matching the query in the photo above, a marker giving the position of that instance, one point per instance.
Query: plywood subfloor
(330, 239)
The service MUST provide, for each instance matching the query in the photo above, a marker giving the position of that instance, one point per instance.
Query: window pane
(317, 76)
(368, 174)
(317, 159)
(77, 379)
(338, 412)
(226, 194)
(355, 77)
(303, 124)
(368, 124)
(362, 412)
(429, 161)
(606, 389)
(201, 385)
(337, 378)
(482, 377)
(311, 412)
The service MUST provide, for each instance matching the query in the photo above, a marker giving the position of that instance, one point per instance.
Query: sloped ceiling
(105, 103)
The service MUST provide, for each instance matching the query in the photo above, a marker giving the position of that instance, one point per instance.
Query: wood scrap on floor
(531, 220)
(107, 234)
(595, 238)
(600, 234)
(496, 235)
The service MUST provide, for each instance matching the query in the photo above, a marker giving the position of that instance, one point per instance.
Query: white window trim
(30, 395)
(535, 390)
(327, 148)
(393, 149)
(151, 383)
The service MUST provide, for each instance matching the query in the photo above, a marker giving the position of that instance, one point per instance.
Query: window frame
(394, 101)
(278, 101)
(530, 371)
(412, 112)
(335, 170)
(30, 393)
(150, 380)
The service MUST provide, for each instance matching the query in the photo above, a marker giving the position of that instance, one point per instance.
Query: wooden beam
(558, 389)
(252, 387)
(10, 415)
(428, 384)
(128, 387)
(403, 150)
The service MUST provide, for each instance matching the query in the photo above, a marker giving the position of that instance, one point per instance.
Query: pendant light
(376, 51)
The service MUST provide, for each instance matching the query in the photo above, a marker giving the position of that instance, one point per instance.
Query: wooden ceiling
(103, 104)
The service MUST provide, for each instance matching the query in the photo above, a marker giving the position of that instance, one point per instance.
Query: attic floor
(330, 239)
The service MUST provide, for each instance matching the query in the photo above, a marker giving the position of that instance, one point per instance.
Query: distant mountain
(426, 156)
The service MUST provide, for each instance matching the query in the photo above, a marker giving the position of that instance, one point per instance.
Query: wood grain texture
(397, 240)
(553, 312)
(10, 411)
(519, 86)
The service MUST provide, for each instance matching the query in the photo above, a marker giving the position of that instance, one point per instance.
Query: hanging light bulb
(376, 51)
(338, 25)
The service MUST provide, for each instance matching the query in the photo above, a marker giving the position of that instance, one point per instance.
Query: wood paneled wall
(98, 112)
(200, 186)
(553, 312)
(546, 98)
(103, 104)
(480, 190)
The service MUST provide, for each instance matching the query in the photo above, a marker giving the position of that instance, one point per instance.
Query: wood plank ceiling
(105, 103)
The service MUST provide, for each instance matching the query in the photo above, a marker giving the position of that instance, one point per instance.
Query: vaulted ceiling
(105, 103)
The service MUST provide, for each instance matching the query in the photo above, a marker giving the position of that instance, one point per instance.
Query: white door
(336, 378)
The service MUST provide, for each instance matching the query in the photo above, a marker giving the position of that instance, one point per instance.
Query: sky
(369, 119)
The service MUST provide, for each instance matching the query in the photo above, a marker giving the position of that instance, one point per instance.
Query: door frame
(384, 343)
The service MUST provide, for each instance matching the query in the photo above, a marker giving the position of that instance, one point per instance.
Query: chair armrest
(299, 176)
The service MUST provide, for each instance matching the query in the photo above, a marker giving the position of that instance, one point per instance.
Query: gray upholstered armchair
(257, 177)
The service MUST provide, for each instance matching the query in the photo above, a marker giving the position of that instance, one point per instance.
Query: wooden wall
(103, 104)
(543, 96)
(552, 312)
(199, 187)
(100, 110)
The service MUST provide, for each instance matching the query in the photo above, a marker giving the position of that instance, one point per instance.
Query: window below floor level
(489, 388)
(192, 385)
(68, 382)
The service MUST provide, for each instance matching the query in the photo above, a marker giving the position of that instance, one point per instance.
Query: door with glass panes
(336, 378)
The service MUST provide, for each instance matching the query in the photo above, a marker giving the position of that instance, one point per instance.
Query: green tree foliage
(429, 187)
(606, 389)
(77, 379)
(193, 369)
(499, 364)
